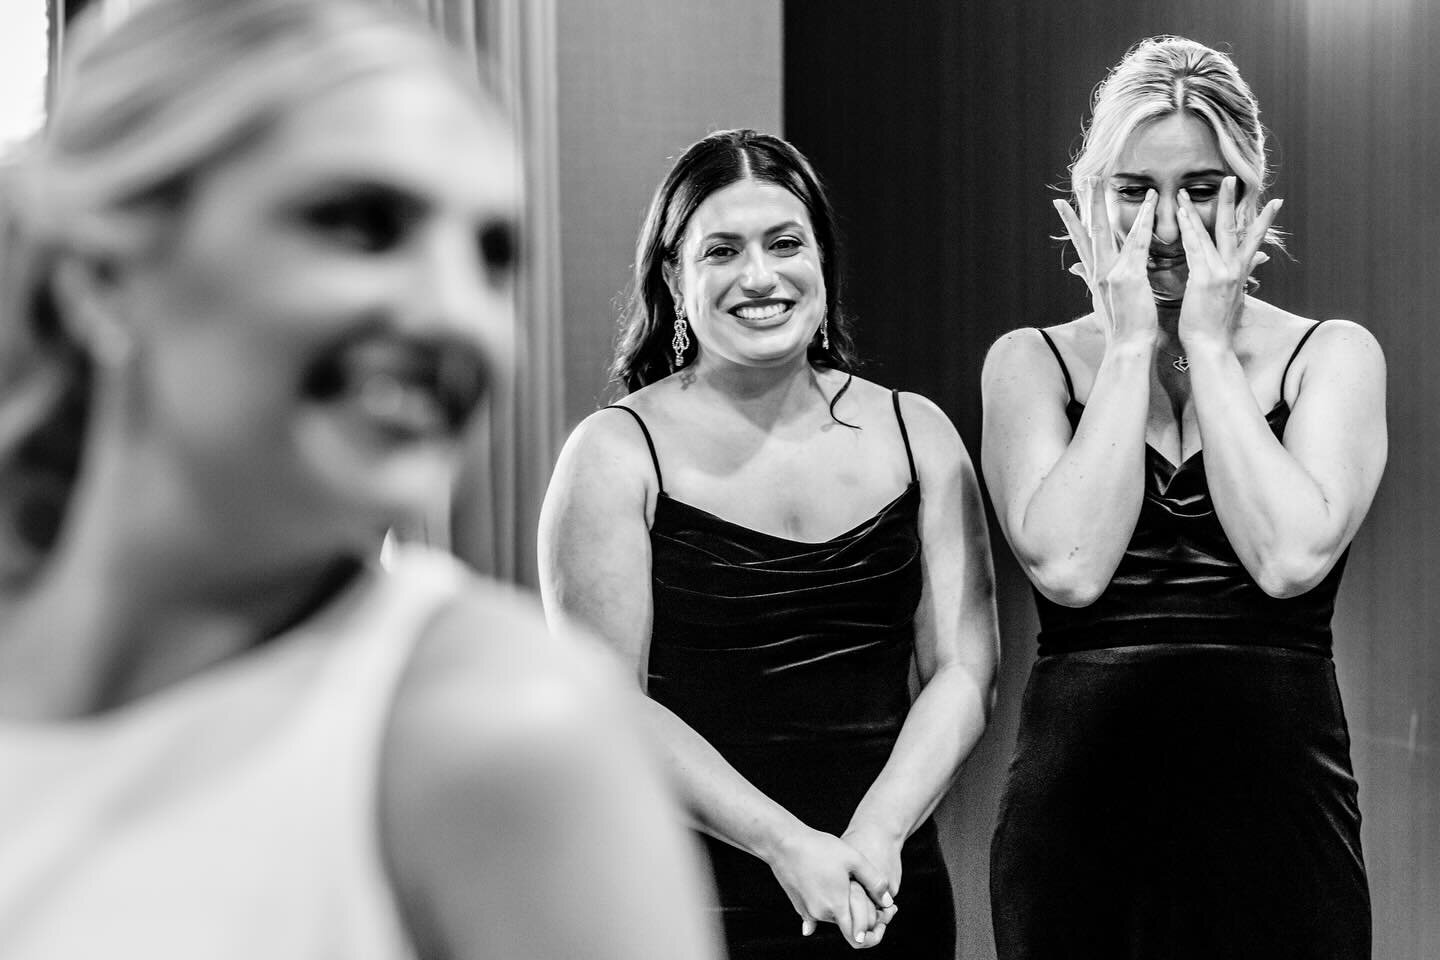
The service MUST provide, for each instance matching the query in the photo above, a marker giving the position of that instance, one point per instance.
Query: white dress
(230, 816)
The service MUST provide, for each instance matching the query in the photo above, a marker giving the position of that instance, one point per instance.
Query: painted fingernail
(887, 900)
(860, 937)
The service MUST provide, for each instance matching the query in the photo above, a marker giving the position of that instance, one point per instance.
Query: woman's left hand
(1218, 270)
(881, 850)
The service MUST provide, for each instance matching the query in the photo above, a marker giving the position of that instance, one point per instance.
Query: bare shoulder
(939, 450)
(934, 441)
(514, 783)
(928, 425)
(489, 681)
(1348, 340)
(608, 438)
(494, 724)
(1023, 353)
(1334, 345)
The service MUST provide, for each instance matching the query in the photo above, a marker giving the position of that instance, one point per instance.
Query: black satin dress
(1181, 785)
(793, 660)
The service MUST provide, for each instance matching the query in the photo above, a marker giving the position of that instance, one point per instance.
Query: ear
(672, 281)
(87, 297)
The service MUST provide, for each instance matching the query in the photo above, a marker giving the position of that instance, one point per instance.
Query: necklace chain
(1179, 362)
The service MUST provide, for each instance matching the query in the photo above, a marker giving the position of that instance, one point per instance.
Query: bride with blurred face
(258, 276)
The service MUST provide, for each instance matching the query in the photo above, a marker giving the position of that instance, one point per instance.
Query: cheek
(698, 285)
(1207, 217)
(1122, 217)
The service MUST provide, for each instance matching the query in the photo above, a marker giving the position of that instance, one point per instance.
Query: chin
(371, 491)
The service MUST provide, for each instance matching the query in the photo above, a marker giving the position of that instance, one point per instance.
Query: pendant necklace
(1180, 361)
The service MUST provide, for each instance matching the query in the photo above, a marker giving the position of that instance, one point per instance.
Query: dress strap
(904, 435)
(1069, 385)
(1295, 353)
(660, 483)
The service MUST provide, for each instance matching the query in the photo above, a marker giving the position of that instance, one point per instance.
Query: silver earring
(681, 341)
(825, 333)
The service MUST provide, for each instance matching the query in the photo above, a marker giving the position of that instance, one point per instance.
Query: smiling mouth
(404, 387)
(761, 311)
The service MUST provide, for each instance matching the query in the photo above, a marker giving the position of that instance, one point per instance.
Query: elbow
(1068, 584)
(1291, 576)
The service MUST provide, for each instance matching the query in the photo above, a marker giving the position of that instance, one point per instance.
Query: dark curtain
(943, 129)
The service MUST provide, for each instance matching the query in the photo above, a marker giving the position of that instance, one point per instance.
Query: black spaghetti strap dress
(1181, 785)
(793, 660)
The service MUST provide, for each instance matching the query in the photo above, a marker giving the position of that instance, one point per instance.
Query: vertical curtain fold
(496, 503)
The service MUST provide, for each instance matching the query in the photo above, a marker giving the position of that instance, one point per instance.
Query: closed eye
(367, 219)
(499, 248)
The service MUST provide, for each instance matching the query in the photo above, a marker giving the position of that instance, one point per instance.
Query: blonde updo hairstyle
(1166, 75)
(143, 109)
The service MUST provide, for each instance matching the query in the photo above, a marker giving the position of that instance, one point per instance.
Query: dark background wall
(942, 127)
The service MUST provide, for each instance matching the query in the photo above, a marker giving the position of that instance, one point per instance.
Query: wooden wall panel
(941, 131)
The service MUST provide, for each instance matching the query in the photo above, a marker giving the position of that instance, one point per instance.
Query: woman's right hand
(815, 870)
(1115, 273)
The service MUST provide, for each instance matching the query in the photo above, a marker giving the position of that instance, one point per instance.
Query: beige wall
(638, 81)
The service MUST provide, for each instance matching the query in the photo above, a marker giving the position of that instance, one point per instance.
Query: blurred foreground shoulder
(522, 814)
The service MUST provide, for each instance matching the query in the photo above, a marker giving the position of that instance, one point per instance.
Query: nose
(757, 273)
(1167, 227)
(452, 294)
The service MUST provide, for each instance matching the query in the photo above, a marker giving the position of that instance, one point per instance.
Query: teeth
(760, 313)
(386, 398)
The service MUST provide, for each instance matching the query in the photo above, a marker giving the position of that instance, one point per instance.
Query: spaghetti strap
(648, 442)
(1295, 353)
(1069, 386)
(904, 435)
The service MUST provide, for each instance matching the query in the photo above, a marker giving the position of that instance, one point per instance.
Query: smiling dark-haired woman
(1180, 473)
(773, 545)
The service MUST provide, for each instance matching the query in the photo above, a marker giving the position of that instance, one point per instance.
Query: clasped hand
(829, 880)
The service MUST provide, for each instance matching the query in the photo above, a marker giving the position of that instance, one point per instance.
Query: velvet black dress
(1181, 785)
(793, 660)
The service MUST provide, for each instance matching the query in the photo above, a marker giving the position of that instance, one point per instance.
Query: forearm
(1275, 515)
(1074, 527)
(942, 727)
(720, 801)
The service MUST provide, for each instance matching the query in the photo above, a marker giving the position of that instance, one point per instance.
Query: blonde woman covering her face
(772, 544)
(1180, 473)
(257, 279)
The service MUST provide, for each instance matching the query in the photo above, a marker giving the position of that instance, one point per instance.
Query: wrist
(1200, 348)
(775, 839)
(882, 829)
(1137, 348)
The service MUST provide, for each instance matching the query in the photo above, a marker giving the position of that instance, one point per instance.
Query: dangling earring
(681, 341)
(825, 332)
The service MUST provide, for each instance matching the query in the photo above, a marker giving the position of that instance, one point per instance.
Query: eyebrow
(1193, 175)
(777, 228)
